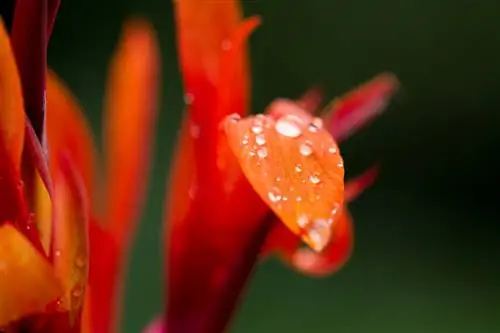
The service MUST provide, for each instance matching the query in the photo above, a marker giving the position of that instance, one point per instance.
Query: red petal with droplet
(360, 106)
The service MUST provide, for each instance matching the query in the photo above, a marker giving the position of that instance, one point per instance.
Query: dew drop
(306, 149)
(244, 141)
(289, 126)
(80, 262)
(262, 152)
(302, 221)
(77, 292)
(298, 168)
(194, 130)
(233, 118)
(319, 234)
(188, 98)
(314, 179)
(57, 253)
(332, 150)
(260, 140)
(226, 45)
(340, 164)
(298, 199)
(274, 196)
(257, 129)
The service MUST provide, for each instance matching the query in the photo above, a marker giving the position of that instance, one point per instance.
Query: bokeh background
(427, 254)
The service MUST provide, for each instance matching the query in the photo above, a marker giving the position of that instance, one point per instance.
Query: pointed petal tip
(295, 167)
(354, 187)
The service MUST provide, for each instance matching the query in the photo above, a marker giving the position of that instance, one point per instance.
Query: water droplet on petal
(316, 125)
(319, 234)
(340, 164)
(303, 220)
(306, 149)
(298, 168)
(257, 129)
(288, 125)
(226, 45)
(262, 152)
(80, 262)
(332, 150)
(77, 292)
(314, 179)
(299, 199)
(57, 253)
(260, 139)
(274, 196)
(188, 98)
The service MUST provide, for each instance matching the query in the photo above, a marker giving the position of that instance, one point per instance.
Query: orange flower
(61, 254)
(241, 188)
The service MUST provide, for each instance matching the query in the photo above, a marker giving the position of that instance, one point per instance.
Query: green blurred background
(427, 249)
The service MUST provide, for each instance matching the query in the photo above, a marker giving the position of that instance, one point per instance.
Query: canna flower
(66, 223)
(242, 186)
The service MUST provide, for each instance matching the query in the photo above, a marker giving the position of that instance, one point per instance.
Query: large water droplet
(332, 150)
(319, 234)
(260, 139)
(303, 221)
(289, 126)
(314, 179)
(262, 152)
(306, 149)
(274, 195)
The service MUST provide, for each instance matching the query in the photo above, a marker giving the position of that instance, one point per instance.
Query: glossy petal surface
(295, 166)
(27, 281)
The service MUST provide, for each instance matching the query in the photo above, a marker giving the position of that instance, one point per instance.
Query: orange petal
(360, 106)
(294, 165)
(12, 117)
(70, 236)
(27, 281)
(354, 187)
(335, 254)
(131, 112)
(68, 130)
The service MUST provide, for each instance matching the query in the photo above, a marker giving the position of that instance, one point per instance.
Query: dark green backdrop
(427, 233)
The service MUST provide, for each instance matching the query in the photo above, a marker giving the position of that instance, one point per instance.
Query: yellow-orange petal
(70, 235)
(130, 114)
(334, 256)
(293, 163)
(357, 108)
(68, 130)
(27, 280)
(354, 187)
(12, 117)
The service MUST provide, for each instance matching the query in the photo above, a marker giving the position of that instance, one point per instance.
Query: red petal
(130, 112)
(12, 118)
(294, 165)
(354, 187)
(360, 106)
(156, 326)
(29, 42)
(68, 130)
(70, 235)
(333, 257)
(27, 281)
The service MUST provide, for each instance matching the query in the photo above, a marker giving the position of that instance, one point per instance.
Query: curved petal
(311, 100)
(130, 114)
(29, 42)
(334, 255)
(27, 281)
(294, 165)
(70, 236)
(360, 106)
(68, 130)
(12, 116)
